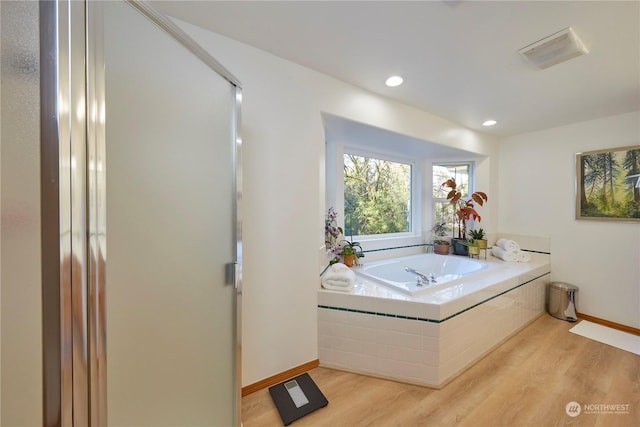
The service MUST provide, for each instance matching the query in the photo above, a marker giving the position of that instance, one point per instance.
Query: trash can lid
(564, 286)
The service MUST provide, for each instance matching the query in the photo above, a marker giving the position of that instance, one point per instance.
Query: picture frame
(608, 184)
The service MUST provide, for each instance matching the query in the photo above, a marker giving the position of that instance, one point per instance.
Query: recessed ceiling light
(394, 81)
(489, 123)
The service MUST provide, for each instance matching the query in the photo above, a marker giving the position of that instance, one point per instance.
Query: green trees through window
(377, 196)
(443, 212)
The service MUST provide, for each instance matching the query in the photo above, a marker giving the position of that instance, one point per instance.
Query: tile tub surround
(429, 339)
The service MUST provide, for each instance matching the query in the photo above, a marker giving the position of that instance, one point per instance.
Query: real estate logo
(607, 408)
(573, 409)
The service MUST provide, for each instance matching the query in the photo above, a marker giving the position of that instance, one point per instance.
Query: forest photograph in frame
(608, 184)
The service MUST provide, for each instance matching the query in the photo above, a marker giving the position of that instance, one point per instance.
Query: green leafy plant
(351, 248)
(470, 243)
(477, 234)
(465, 209)
(473, 246)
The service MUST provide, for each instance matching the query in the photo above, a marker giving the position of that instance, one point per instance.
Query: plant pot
(482, 243)
(348, 260)
(459, 248)
(473, 250)
(441, 248)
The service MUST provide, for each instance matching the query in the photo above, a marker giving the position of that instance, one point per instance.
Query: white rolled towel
(503, 254)
(523, 256)
(338, 277)
(508, 245)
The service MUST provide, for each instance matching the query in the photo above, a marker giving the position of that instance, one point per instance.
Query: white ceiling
(459, 59)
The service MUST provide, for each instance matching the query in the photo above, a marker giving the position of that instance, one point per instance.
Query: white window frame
(335, 190)
(471, 189)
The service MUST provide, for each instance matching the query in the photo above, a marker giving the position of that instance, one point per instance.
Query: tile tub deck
(431, 338)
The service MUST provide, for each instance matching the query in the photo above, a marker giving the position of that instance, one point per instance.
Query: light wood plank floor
(527, 381)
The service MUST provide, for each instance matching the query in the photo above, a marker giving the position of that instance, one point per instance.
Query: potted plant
(349, 252)
(465, 210)
(478, 236)
(472, 247)
(440, 244)
(332, 233)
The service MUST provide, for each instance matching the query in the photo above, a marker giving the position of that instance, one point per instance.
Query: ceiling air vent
(554, 49)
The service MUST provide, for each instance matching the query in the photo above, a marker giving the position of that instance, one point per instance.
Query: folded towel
(523, 256)
(508, 245)
(338, 277)
(329, 286)
(503, 254)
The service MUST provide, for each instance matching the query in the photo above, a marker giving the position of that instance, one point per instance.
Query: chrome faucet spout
(417, 273)
(422, 279)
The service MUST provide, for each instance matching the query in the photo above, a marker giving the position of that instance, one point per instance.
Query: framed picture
(608, 184)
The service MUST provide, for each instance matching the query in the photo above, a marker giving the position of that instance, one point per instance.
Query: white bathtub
(429, 336)
(418, 274)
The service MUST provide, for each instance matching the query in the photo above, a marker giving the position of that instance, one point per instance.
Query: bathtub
(418, 274)
(390, 327)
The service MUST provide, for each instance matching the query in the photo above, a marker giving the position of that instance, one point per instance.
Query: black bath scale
(296, 398)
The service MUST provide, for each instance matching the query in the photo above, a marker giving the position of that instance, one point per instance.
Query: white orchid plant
(332, 233)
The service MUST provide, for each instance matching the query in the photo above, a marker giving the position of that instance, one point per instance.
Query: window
(377, 196)
(442, 210)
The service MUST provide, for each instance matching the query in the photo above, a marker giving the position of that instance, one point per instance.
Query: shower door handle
(232, 276)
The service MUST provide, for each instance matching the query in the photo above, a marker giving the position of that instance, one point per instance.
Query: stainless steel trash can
(561, 301)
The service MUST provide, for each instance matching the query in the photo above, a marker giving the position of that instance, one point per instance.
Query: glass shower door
(171, 229)
(21, 269)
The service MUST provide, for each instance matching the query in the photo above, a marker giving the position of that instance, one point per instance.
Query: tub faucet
(422, 279)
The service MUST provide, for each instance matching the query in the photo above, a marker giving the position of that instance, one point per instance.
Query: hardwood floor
(527, 381)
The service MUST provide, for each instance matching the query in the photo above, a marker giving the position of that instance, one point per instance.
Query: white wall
(284, 190)
(537, 189)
